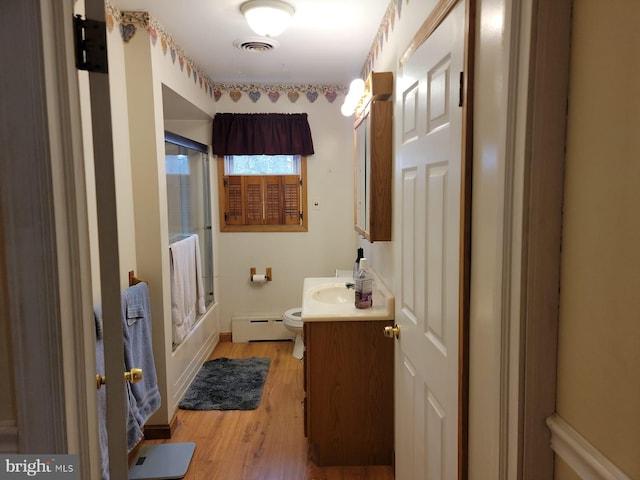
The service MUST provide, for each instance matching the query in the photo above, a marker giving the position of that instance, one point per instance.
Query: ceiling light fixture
(353, 98)
(268, 18)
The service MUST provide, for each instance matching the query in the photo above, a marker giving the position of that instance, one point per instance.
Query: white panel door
(429, 140)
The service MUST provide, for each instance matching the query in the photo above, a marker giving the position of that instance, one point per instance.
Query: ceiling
(326, 44)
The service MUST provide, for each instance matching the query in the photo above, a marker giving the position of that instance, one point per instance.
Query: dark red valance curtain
(261, 134)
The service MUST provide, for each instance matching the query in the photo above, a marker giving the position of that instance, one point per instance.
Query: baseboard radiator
(258, 328)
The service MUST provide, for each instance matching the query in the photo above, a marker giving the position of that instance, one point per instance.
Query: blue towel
(97, 315)
(102, 400)
(135, 432)
(138, 352)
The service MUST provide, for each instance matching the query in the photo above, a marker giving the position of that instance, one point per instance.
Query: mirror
(361, 173)
(373, 172)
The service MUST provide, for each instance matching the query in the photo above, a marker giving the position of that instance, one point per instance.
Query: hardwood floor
(263, 444)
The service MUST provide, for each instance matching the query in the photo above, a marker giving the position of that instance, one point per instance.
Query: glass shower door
(189, 199)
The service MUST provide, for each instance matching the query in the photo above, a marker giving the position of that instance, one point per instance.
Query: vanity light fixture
(352, 99)
(268, 18)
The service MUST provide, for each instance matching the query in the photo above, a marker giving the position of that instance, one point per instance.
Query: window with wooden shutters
(234, 211)
(262, 202)
(291, 203)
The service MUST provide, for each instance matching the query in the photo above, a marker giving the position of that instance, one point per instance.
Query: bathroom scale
(162, 461)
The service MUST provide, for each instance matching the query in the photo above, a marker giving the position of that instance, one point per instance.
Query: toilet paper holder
(267, 274)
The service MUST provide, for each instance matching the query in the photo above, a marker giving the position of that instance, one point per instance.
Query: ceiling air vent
(256, 44)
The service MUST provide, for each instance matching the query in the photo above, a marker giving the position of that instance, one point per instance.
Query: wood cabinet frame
(373, 220)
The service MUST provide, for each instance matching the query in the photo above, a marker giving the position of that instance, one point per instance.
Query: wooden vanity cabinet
(348, 380)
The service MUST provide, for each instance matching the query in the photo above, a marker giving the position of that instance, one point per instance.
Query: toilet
(292, 320)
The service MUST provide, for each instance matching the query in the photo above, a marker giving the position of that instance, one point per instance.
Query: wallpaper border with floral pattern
(129, 22)
(394, 11)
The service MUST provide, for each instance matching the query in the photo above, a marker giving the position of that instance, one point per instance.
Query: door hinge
(90, 45)
(300, 215)
(300, 182)
(226, 216)
(225, 181)
(461, 93)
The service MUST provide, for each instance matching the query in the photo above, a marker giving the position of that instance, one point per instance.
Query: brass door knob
(392, 332)
(133, 376)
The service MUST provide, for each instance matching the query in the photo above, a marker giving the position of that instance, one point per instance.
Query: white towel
(187, 288)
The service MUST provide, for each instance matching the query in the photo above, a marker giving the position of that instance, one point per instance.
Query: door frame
(538, 35)
(46, 244)
(535, 234)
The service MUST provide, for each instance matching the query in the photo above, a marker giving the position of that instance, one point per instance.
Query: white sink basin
(333, 294)
(329, 298)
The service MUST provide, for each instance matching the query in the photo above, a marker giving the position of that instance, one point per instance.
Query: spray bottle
(356, 264)
(363, 286)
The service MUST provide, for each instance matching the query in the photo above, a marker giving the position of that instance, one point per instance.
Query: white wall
(197, 130)
(599, 333)
(149, 69)
(330, 242)
(122, 161)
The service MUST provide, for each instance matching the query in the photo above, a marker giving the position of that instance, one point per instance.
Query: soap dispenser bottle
(356, 265)
(363, 287)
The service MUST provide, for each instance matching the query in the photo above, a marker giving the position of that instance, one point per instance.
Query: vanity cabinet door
(349, 396)
(305, 368)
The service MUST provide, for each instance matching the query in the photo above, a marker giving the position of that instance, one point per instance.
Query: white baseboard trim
(579, 454)
(8, 437)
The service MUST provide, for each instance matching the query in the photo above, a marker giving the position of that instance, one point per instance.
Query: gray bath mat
(227, 384)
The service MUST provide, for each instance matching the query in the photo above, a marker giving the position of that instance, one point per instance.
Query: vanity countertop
(326, 299)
